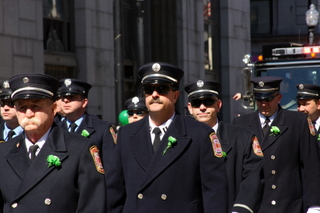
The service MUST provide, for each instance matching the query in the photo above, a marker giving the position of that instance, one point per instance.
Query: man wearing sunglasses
(165, 161)
(243, 154)
(291, 159)
(10, 127)
(136, 108)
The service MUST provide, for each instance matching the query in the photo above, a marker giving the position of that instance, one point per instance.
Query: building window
(60, 72)
(58, 38)
(260, 15)
(57, 26)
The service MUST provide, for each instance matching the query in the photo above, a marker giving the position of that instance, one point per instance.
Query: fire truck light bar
(295, 50)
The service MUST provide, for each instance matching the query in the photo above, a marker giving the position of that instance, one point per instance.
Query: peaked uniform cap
(160, 73)
(308, 91)
(202, 89)
(136, 103)
(266, 86)
(70, 86)
(33, 86)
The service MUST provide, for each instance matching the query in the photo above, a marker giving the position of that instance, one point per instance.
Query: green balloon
(123, 117)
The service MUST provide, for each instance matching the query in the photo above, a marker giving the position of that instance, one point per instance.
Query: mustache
(26, 121)
(155, 101)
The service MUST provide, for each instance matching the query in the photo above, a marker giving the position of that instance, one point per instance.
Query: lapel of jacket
(223, 136)
(140, 144)
(279, 122)
(17, 158)
(54, 145)
(86, 124)
(160, 162)
(255, 125)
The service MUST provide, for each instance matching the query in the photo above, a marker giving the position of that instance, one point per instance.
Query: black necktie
(156, 141)
(73, 127)
(32, 151)
(265, 128)
(10, 134)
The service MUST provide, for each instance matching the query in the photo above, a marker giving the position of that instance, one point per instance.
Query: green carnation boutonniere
(224, 154)
(274, 130)
(53, 161)
(85, 133)
(171, 142)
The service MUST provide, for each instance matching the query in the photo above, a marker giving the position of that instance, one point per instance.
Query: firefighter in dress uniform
(166, 162)
(243, 154)
(10, 127)
(291, 159)
(308, 100)
(46, 169)
(74, 100)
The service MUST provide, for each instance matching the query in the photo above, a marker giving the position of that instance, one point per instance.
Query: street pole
(118, 60)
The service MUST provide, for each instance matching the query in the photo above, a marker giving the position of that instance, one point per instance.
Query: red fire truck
(295, 63)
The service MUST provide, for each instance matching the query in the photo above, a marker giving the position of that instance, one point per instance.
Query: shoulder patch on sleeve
(96, 158)
(114, 135)
(216, 146)
(311, 127)
(256, 147)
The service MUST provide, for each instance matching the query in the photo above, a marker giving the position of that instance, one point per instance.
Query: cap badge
(301, 86)
(25, 80)
(6, 85)
(135, 100)
(67, 82)
(200, 83)
(156, 67)
(261, 83)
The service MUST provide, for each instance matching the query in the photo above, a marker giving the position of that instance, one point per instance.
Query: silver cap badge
(67, 82)
(261, 83)
(301, 86)
(156, 67)
(25, 80)
(135, 100)
(200, 83)
(6, 85)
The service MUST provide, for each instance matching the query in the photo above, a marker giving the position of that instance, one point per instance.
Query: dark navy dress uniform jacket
(76, 186)
(187, 178)
(244, 168)
(291, 162)
(99, 133)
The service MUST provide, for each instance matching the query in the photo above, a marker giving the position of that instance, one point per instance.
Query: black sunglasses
(8, 103)
(268, 99)
(131, 113)
(161, 90)
(207, 102)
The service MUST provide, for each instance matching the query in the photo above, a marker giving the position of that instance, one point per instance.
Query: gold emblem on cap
(200, 83)
(261, 83)
(6, 85)
(156, 67)
(25, 80)
(67, 82)
(301, 86)
(135, 100)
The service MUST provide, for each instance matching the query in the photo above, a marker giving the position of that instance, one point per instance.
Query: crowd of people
(55, 157)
